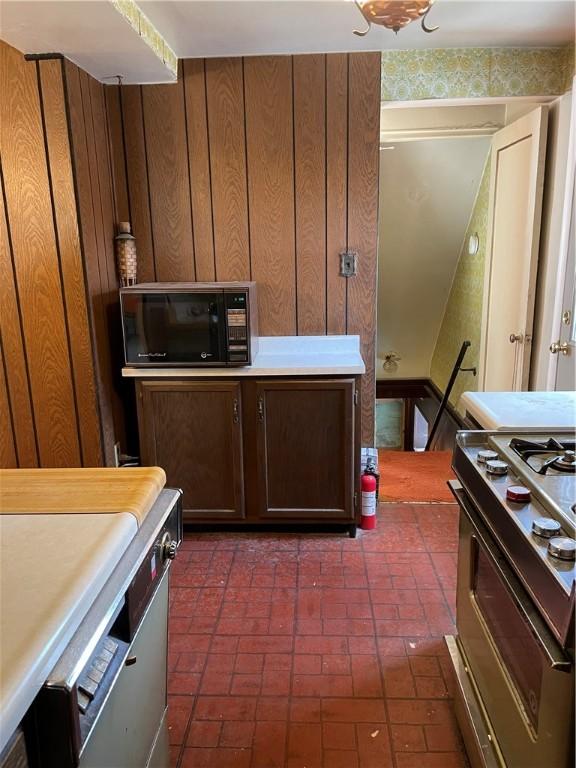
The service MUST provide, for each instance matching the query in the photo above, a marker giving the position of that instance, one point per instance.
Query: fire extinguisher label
(369, 503)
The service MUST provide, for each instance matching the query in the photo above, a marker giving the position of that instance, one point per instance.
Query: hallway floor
(316, 651)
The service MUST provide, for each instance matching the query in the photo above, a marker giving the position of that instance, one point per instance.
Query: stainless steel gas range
(514, 651)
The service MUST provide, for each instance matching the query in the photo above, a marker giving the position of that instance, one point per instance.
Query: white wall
(550, 239)
(427, 190)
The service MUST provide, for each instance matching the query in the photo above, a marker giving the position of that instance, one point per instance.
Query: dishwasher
(104, 703)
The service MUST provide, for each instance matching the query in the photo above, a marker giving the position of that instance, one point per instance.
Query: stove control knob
(168, 548)
(484, 456)
(518, 493)
(496, 467)
(546, 527)
(563, 548)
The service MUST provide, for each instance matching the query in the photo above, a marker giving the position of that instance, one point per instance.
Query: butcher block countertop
(54, 563)
(80, 491)
(522, 411)
(279, 356)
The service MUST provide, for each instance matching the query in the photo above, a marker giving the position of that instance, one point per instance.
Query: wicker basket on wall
(126, 258)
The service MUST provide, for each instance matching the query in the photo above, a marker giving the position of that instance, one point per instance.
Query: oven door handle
(554, 654)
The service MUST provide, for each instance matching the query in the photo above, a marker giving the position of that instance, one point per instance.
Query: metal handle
(260, 408)
(168, 547)
(236, 415)
(514, 337)
(559, 347)
(554, 654)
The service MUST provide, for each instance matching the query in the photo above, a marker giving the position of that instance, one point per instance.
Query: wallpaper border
(440, 73)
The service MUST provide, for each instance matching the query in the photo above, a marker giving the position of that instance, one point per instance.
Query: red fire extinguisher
(368, 488)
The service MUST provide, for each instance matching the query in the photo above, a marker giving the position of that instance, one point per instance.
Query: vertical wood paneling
(364, 128)
(64, 202)
(29, 211)
(120, 182)
(268, 168)
(15, 354)
(310, 188)
(8, 459)
(90, 218)
(103, 172)
(169, 182)
(225, 102)
(336, 187)
(100, 288)
(92, 182)
(113, 350)
(269, 135)
(199, 168)
(79, 133)
(138, 185)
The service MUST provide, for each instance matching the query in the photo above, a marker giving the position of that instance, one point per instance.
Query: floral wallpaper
(463, 313)
(474, 72)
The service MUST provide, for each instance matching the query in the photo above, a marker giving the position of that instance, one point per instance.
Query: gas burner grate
(550, 455)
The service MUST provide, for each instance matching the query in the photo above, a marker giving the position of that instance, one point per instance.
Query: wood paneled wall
(96, 206)
(262, 168)
(51, 388)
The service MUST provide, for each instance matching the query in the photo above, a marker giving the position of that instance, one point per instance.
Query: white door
(565, 346)
(515, 207)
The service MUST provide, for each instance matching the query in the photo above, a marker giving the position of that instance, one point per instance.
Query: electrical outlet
(116, 454)
(348, 263)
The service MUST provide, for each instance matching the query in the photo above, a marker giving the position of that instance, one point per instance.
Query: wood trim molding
(400, 388)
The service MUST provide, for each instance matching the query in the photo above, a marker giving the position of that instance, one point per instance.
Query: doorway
(435, 197)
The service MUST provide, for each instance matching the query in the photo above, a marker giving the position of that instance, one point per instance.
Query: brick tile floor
(316, 651)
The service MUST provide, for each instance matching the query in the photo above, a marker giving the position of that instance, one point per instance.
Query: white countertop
(52, 568)
(521, 410)
(280, 356)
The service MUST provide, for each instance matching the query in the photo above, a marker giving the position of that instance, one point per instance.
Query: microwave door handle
(554, 654)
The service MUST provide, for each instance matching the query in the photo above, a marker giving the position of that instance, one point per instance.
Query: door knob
(557, 347)
(514, 337)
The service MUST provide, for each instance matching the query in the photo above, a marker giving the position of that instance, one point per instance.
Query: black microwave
(189, 324)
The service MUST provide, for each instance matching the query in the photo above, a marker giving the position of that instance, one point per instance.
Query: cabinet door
(193, 431)
(305, 439)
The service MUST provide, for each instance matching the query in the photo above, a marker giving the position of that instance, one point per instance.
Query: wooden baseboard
(424, 394)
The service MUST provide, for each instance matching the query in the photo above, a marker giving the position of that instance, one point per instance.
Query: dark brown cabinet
(193, 430)
(305, 449)
(275, 451)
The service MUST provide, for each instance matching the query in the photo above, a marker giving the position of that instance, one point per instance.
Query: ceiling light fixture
(394, 14)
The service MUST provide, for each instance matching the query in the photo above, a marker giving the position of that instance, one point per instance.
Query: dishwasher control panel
(93, 675)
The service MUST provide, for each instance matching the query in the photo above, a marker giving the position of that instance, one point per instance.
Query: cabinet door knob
(235, 412)
(260, 408)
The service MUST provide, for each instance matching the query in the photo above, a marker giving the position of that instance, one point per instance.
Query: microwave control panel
(237, 327)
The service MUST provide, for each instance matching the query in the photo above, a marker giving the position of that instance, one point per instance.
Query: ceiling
(90, 33)
(95, 36)
(246, 27)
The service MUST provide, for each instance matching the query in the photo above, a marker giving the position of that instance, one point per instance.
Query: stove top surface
(544, 464)
(495, 472)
